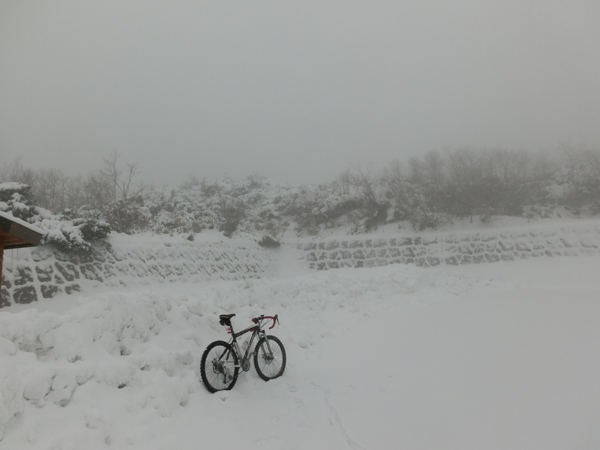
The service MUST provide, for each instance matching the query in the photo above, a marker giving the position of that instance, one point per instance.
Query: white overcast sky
(293, 90)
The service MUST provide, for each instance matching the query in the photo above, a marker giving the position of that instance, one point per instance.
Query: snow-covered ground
(490, 356)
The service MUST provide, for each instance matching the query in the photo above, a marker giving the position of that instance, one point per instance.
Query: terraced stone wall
(43, 272)
(452, 248)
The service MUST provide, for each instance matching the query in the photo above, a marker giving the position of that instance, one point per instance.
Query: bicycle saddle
(225, 319)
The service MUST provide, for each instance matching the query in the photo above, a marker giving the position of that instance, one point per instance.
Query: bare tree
(51, 189)
(15, 171)
(344, 182)
(466, 173)
(427, 193)
(75, 195)
(364, 181)
(114, 193)
(367, 186)
(398, 190)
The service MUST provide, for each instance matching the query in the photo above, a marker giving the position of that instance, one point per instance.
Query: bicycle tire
(219, 367)
(267, 365)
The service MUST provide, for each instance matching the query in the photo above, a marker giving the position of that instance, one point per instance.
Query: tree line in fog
(423, 192)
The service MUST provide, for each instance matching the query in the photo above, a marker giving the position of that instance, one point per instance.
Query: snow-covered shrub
(62, 231)
(269, 242)
(17, 199)
(92, 229)
(73, 236)
(232, 213)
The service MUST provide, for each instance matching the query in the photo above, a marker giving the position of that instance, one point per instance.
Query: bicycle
(221, 361)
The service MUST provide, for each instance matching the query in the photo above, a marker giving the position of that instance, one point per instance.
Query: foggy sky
(293, 90)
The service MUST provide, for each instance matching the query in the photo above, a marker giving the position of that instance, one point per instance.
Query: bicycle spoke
(270, 363)
(218, 367)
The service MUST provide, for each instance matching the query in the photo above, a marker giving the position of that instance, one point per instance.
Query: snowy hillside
(493, 356)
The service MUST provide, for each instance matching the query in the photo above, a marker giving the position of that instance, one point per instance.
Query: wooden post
(1, 258)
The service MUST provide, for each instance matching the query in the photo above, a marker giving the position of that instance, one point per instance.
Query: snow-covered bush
(73, 236)
(269, 242)
(17, 199)
(63, 232)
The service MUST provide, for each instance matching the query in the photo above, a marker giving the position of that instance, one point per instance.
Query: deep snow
(494, 356)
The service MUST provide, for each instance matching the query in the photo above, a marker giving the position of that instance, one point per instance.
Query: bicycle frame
(221, 361)
(255, 330)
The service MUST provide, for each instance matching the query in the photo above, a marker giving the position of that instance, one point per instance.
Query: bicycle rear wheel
(269, 358)
(219, 367)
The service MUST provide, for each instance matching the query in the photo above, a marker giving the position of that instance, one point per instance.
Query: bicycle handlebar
(274, 318)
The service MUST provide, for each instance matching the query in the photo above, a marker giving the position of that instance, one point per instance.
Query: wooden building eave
(17, 235)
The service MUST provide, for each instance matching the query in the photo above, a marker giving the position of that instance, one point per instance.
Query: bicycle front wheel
(219, 367)
(269, 358)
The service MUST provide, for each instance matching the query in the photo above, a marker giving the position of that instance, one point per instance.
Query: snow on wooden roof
(16, 233)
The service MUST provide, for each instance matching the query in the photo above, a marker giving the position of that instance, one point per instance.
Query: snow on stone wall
(43, 272)
(455, 248)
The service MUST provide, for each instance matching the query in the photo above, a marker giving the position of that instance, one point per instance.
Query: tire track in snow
(334, 419)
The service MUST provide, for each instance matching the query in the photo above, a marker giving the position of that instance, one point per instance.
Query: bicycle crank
(245, 364)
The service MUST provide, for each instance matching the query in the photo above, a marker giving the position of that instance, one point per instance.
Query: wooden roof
(15, 233)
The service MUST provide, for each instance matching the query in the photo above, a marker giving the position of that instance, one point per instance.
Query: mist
(293, 91)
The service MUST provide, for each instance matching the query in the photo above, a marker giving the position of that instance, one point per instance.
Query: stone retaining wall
(43, 272)
(452, 248)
